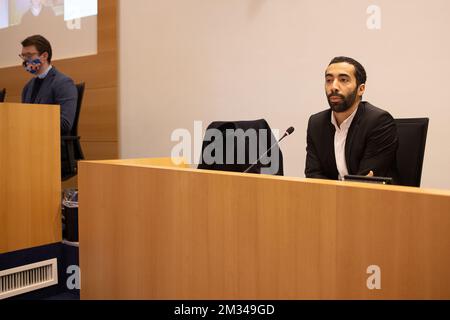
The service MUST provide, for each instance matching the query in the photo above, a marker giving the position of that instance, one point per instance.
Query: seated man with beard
(353, 137)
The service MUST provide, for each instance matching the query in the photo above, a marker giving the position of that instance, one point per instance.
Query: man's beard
(347, 102)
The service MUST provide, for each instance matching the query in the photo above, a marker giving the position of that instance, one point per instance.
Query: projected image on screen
(70, 25)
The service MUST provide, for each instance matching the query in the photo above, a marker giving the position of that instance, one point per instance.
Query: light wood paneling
(98, 120)
(150, 232)
(100, 150)
(160, 162)
(166, 162)
(98, 125)
(30, 172)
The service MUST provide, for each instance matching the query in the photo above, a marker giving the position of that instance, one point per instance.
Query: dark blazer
(57, 89)
(371, 144)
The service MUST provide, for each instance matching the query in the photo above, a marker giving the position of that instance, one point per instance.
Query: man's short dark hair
(360, 73)
(42, 45)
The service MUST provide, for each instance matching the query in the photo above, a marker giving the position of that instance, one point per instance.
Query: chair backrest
(237, 137)
(2, 95)
(80, 90)
(412, 136)
(71, 151)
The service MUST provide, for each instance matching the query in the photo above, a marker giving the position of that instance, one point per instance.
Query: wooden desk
(30, 171)
(154, 232)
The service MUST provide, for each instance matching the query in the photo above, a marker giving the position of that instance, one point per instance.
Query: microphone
(288, 132)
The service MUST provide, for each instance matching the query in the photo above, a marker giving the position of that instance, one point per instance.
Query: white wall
(186, 60)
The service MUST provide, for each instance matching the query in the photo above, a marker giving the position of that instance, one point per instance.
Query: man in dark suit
(48, 86)
(353, 136)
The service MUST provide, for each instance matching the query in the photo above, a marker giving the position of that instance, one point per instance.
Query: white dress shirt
(43, 75)
(340, 138)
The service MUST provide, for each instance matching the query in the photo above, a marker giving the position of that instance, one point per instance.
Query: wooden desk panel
(30, 171)
(150, 232)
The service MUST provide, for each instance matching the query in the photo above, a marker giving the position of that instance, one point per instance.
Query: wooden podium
(149, 230)
(30, 173)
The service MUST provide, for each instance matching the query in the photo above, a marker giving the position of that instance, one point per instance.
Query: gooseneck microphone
(288, 132)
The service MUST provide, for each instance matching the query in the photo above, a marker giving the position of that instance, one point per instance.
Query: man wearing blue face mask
(48, 86)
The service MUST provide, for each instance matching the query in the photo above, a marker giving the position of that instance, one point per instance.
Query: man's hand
(370, 174)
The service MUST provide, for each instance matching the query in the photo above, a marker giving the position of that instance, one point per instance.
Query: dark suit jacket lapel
(46, 85)
(329, 144)
(352, 133)
(27, 98)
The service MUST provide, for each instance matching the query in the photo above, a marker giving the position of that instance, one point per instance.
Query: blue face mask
(32, 66)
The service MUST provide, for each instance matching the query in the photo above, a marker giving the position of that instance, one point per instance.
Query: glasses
(28, 56)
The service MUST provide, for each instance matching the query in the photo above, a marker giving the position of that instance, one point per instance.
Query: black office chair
(412, 136)
(2, 95)
(71, 151)
(232, 140)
